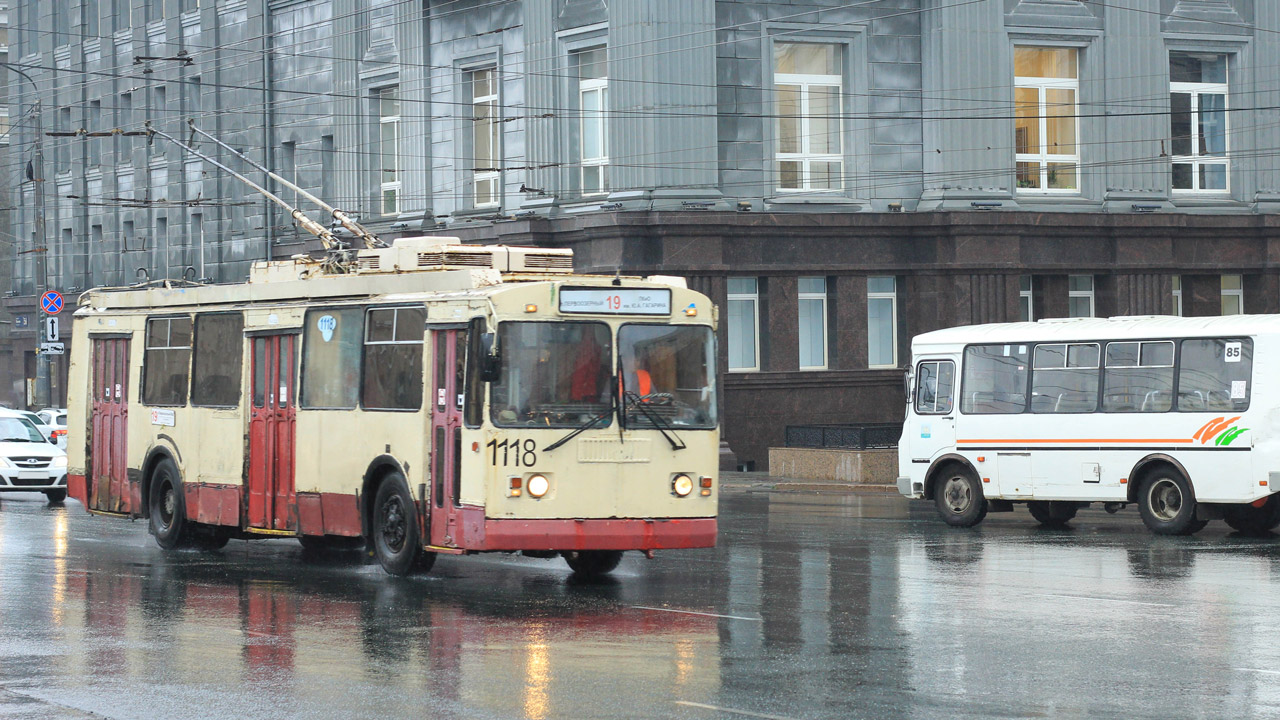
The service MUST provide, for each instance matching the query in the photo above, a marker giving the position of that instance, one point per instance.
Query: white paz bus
(1176, 415)
(429, 398)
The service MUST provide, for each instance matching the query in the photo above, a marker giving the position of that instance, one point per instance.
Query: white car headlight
(59, 462)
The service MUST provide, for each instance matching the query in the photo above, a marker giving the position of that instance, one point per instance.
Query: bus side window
(935, 383)
(1214, 375)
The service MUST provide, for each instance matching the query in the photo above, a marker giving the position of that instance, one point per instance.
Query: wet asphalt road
(805, 610)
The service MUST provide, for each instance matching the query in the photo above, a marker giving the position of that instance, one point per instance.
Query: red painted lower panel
(341, 514)
(310, 514)
(593, 534)
(213, 504)
(78, 489)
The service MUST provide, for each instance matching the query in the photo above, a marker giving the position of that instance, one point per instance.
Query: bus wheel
(395, 527)
(958, 497)
(1052, 514)
(1253, 520)
(168, 510)
(1167, 504)
(591, 563)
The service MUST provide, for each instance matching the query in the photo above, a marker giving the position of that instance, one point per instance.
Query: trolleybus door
(109, 482)
(448, 351)
(271, 433)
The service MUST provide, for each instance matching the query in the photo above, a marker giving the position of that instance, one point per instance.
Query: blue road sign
(51, 302)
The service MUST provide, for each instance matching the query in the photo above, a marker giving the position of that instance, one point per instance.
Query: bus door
(448, 351)
(272, 433)
(934, 404)
(109, 425)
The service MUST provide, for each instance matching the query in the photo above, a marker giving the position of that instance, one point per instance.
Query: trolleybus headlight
(682, 485)
(538, 485)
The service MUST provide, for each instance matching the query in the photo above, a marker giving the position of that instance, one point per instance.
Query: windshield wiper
(17, 440)
(579, 430)
(633, 400)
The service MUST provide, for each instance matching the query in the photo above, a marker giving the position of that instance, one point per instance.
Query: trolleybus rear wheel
(959, 498)
(396, 540)
(591, 563)
(1253, 520)
(168, 510)
(1167, 504)
(1054, 513)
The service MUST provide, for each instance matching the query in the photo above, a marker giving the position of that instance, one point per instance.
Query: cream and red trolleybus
(428, 398)
(1175, 415)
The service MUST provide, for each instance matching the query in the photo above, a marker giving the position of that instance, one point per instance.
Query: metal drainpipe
(268, 155)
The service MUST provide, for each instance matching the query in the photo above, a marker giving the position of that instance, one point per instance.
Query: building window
(158, 181)
(1198, 121)
(882, 321)
(1026, 309)
(388, 100)
(193, 175)
(807, 90)
(124, 185)
(1079, 296)
(485, 149)
(813, 323)
(1045, 125)
(744, 324)
(1232, 295)
(1177, 295)
(593, 101)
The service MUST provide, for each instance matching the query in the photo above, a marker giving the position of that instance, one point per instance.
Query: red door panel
(272, 431)
(109, 427)
(448, 348)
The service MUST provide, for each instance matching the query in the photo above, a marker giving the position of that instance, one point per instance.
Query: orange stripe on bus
(1206, 426)
(1080, 440)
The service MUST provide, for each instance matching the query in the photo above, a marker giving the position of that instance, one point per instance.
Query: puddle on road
(845, 505)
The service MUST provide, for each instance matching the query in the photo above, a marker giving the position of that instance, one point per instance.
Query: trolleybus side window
(332, 342)
(393, 358)
(935, 386)
(1064, 378)
(552, 374)
(995, 379)
(1138, 377)
(671, 370)
(1214, 375)
(473, 394)
(167, 361)
(219, 350)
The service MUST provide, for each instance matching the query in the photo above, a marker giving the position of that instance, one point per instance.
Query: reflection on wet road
(805, 610)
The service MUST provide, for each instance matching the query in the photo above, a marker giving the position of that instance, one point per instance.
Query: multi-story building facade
(837, 176)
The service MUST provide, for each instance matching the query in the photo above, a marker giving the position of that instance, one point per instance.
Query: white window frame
(1236, 292)
(1044, 158)
(1027, 296)
(385, 186)
(495, 139)
(1177, 295)
(754, 299)
(1093, 286)
(600, 87)
(822, 329)
(893, 319)
(1195, 159)
(805, 157)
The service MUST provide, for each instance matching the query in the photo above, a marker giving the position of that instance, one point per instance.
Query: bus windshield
(554, 374)
(670, 369)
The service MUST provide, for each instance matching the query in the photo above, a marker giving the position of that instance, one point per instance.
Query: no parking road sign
(51, 302)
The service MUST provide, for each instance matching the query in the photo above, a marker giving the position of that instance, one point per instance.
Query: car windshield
(554, 374)
(670, 370)
(34, 418)
(19, 429)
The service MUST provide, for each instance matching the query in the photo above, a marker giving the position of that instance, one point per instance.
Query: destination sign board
(616, 301)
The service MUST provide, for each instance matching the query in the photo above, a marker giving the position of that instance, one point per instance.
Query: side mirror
(908, 385)
(490, 361)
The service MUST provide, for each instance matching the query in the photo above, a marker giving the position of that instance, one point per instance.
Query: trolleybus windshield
(671, 370)
(553, 374)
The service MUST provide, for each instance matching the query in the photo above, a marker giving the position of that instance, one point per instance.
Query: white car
(56, 420)
(29, 460)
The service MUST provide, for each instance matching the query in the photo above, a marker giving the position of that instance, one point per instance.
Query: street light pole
(44, 376)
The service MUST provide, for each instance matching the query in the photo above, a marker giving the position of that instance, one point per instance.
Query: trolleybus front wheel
(1054, 514)
(1167, 504)
(592, 563)
(168, 511)
(396, 540)
(1253, 520)
(958, 497)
